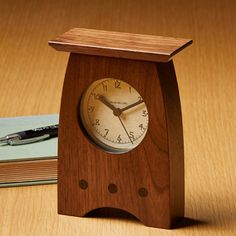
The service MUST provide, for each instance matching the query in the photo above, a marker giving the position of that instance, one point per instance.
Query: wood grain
(171, 100)
(156, 164)
(119, 44)
(32, 74)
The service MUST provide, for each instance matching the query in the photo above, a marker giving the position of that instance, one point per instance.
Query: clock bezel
(87, 129)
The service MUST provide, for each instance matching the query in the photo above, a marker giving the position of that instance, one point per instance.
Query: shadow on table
(188, 222)
(113, 213)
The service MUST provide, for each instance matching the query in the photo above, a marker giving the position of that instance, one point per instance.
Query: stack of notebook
(28, 164)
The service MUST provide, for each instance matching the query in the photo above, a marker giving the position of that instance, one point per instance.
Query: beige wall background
(31, 80)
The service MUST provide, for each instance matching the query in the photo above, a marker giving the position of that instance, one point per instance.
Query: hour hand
(105, 102)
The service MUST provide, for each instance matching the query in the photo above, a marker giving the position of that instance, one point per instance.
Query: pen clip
(17, 141)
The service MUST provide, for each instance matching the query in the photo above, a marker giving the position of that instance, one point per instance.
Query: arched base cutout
(113, 213)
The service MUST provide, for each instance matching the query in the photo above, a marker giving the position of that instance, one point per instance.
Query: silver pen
(30, 136)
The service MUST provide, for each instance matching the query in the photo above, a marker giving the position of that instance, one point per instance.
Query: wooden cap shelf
(119, 45)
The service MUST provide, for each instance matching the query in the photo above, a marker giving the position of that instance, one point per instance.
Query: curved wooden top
(119, 44)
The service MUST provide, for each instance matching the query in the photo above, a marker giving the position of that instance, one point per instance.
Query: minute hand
(131, 105)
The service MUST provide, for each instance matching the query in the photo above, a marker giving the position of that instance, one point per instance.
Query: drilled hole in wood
(83, 184)
(143, 192)
(112, 188)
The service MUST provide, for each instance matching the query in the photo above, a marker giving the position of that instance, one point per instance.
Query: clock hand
(125, 129)
(104, 101)
(116, 111)
(131, 105)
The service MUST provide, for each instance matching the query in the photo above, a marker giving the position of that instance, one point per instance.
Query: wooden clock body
(148, 181)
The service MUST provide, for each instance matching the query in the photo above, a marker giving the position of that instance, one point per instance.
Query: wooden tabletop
(31, 79)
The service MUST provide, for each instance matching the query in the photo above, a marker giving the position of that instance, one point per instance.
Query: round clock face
(114, 115)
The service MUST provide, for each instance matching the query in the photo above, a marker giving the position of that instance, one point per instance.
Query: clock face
(114, 115)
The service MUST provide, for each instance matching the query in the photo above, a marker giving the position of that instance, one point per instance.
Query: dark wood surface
(85, 171)
(121, 45)
(170, 91)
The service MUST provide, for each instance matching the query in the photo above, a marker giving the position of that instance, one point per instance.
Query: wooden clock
(120, 135)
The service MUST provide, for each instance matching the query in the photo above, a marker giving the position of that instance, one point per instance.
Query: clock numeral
(91, 108)
(131, 135)
(117, 84)
(104, 87)
(97, 122)
(140, 98)
(130, 89)
(119, 138)
(141, 127)
(94, 95)
(144, 113)
(106, 132)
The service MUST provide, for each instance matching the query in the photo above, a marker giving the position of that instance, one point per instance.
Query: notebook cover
(46, 149)
(39, 150)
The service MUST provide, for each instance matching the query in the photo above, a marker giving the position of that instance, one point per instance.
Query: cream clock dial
(114, 115)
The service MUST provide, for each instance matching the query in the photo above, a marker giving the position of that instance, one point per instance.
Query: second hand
(125, 129)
